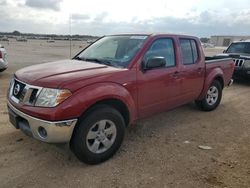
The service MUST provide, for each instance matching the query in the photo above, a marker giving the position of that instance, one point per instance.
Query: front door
(159, 89)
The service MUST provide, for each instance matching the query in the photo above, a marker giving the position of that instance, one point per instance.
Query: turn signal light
(63, 95)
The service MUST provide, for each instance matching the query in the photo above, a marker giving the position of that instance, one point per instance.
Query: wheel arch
(220, 79)
(118, 104)
(216, 74)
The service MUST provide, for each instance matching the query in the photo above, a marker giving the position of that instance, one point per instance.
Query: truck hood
(56, 74)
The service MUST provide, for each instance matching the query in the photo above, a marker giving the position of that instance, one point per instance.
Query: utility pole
(70, 48)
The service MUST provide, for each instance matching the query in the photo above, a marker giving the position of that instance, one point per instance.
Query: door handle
(199, 70)
(175, 74)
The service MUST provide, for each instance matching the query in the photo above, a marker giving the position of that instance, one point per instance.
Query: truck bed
(224, 64)
(216, 58)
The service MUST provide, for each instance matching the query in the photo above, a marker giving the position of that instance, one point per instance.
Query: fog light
(42, 132)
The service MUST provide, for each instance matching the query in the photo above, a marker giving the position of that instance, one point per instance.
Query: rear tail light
(1, 54)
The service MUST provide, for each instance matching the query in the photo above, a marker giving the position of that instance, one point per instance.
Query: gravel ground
(160, 151)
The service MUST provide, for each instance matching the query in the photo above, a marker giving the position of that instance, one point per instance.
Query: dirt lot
(161, 151)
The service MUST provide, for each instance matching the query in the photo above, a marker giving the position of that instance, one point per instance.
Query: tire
(1, 70)
(213, 97)
(98, 135)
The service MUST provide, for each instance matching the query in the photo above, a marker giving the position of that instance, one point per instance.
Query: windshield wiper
(100, 61)
(77, 58)
(106, 62)
(96, 60)
(92, 60)
(88, 59)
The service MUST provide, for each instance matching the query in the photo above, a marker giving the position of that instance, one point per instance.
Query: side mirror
(154, 62)
(224, 51)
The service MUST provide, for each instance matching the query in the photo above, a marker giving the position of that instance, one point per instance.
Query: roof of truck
(152, 34)
(148, 34)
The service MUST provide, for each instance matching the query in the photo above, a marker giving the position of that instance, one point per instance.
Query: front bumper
(46, 131)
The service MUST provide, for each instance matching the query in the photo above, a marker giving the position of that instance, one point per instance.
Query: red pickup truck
(89, 100)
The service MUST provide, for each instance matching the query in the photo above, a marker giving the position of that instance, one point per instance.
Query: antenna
(70, 48)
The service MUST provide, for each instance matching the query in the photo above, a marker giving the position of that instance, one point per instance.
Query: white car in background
(3, 59)
(207, 45)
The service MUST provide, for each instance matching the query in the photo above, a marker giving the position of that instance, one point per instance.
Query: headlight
(52, 97)
(247, 64)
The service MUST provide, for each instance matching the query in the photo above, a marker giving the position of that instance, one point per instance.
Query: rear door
(192, 69)
(159, 89)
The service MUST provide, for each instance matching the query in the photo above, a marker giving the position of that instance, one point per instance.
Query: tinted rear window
(189, 51)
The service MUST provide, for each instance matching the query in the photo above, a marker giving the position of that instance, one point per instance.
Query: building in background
(220, 40)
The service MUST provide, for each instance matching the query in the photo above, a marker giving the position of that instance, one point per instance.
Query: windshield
(115, 51)
(240, 47)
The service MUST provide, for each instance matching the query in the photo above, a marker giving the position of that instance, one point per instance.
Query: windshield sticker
(138, 37)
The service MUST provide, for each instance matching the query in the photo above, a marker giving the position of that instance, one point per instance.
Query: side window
(163, 48)
(189, 51)
(195, 51)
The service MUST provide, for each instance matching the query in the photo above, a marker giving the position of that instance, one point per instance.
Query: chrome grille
(239, 62)
(23, 93)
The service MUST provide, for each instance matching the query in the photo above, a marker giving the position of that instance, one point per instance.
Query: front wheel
(99, 135)
(1, 70)
(212, 98)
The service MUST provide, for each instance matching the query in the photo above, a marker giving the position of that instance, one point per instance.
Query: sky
(201, 18)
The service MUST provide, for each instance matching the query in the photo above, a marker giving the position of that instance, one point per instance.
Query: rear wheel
(99, 135)
(212, 98)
